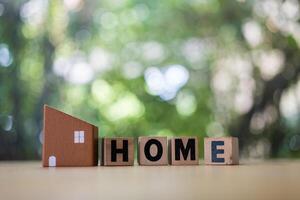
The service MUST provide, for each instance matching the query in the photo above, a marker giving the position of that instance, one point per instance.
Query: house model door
(52, 161)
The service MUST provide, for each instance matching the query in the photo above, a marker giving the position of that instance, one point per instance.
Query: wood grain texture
(58, 141)
(230, 148)
(106, 158)
(153, 150)
(189, 160)
(259, 180)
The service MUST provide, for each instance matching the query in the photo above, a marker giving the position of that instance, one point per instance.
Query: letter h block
(153, 151)
(184, 151)
(117, 151)
(221, 151)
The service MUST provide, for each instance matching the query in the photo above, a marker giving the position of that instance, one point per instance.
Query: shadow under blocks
(72, 142)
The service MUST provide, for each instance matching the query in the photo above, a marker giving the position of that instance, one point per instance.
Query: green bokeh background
(92, 59)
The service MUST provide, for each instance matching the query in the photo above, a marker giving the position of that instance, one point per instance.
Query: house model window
(78, 136)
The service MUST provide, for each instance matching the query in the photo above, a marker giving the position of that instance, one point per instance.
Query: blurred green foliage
(135, 67)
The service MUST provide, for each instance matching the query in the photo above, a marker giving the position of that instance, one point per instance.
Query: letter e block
(221, 151)
(184, 151)
(117, 151)
(153, 151)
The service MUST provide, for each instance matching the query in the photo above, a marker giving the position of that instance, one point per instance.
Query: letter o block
(184, 151)
(152, 151)
(221, 151)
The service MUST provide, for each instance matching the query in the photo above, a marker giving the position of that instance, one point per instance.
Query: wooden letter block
(68, 141)
(117, 151)
(221, 151)
(152, 151)
(184, 151)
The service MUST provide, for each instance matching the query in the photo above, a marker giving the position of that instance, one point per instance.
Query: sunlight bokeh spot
(166, 82)
(269, 62)
(100, 59)
(153, 52)
(6, 123)
(128, 106)
(34, 12)
(5, 56)
(193, 50)
(186, 103)
(176, 76)
(80, 73)
(73, 4)
(102, 92)
(61, 67)
(253, 33)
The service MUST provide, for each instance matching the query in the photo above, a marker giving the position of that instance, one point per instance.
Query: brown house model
(68, 141)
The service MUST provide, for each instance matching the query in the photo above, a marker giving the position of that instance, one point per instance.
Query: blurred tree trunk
(271, 95)
(49, 50)
(15, 147)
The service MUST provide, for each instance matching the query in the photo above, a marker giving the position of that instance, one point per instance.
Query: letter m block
(184, 151)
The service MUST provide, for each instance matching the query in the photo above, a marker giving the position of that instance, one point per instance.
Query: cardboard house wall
(68, 141)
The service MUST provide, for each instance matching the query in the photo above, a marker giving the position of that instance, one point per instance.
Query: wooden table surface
(251, 180)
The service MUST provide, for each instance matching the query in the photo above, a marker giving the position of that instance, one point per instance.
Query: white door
(52, 161)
